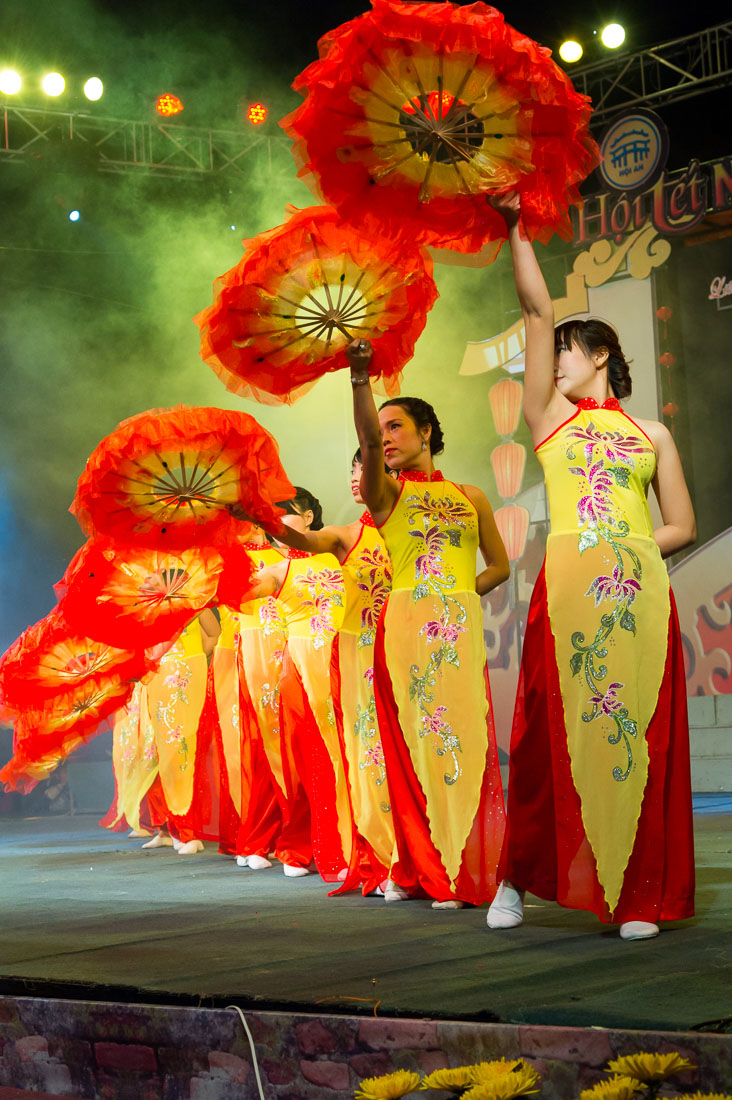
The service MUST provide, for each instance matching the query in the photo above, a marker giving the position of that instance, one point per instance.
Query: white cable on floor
(255, 1062)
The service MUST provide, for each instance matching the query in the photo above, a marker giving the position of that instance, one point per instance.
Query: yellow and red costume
(367, 579)
(599, 784)
(433, 698)
(312, 604)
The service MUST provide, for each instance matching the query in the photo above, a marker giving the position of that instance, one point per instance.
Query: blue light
(232, 228)
(74, 215)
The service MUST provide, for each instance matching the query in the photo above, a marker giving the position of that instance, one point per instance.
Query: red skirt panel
(419, 867)
(546, 850)
(261, 820)
(310, 825)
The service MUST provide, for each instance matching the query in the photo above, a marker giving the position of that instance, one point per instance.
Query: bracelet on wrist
(359, 381)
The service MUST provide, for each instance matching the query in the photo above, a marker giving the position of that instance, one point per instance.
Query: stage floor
(87, 913)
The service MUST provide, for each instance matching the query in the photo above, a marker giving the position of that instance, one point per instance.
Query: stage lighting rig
(257, 114)
(168, 105)
(94, 89)
(10, 82)
(612, 36)
(570, 51)
(53, 84)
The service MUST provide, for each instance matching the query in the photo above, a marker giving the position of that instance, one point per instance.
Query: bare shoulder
(476, 496)
(657, 432)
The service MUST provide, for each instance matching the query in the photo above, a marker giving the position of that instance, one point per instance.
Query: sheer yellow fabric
(226, 684)
(176, 694)
(367, 578)
(312, 602)
(134, 756)
(433, 639)
(608, 604)
(262, 638)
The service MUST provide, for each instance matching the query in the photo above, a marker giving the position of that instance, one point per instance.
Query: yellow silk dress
(433, 700)
(226, 690)
(599, 751)
(367, 579)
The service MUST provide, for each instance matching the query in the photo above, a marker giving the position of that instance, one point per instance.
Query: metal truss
(672, 71)
(156, 148)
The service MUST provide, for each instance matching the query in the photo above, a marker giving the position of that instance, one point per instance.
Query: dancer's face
(401, 437)
(356, 471)
(576, 372)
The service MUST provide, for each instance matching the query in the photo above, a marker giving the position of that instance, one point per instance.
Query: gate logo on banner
(634, 151)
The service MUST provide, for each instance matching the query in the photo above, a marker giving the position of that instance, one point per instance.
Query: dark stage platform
(87, 914)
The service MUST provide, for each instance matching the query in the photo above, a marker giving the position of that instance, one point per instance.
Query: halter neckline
(419, 475)
(608, 403)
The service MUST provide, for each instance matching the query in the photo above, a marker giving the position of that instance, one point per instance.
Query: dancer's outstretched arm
(544, 407)
(378, 490)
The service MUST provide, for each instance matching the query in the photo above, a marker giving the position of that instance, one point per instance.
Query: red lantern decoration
(667, 360)
(505, 400)
(513, 525)
(508, 462)
(670, 409)
(664, 313)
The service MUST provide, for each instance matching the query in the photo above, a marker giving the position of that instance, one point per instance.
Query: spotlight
(613, 35)
(570, 50)
(94, 89)
(232, 228)
(257, 114)
(74, 215)
(10, 82)
(168, 104)
(53, 84)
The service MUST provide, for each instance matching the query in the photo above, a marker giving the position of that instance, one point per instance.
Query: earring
(424, 444)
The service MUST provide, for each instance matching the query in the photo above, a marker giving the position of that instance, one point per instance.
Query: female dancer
(310, 595)
(431, 685)
(599, 790)
(360, 549)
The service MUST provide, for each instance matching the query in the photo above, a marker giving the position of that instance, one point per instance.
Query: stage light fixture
(53, 84)
(570, 50)
(612, 36)
(232, 228)
(74, 215)
(94, 89)
(10, 82)
(168, 105)
(257, 114)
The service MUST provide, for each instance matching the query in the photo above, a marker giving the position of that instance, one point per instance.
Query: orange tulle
(49, 658)
(388, 80)
(284, 315)
(165, 477)
(132, 596)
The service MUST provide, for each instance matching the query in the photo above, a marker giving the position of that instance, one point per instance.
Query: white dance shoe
(294, 872)
(160, 840)
(254, 863)
(392, 892)
(191, 848)
(638, 930)
(507, 908)
(451, 903)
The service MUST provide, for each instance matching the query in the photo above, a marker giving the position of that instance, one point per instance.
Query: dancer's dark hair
(591, 336)
(304, 501)
(423, 415)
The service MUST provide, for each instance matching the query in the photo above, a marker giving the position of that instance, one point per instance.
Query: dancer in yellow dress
(432, 694)
(599, 788)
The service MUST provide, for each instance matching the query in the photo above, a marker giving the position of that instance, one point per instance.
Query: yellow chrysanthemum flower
(505, 1086)
(487, 1071)
(390, 1087)
(648, 1067)
(617, 1088)
(708, 1096)
(458, 1078)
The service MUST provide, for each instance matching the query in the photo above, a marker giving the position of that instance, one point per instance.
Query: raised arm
(679, 525)
(543, 404)
(378, 490)
(494, 553)
(326, 541)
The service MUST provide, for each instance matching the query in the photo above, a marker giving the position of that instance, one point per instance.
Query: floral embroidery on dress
(373, 578)
(321, 590)
(365, 728)
(270, 616)
(608, 464)
(443, 523)
(178, 679)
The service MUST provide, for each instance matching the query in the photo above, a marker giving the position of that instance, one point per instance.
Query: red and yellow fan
(137, 596)
(166, 477)
(284, 315)
(49, 658)
(416, 112)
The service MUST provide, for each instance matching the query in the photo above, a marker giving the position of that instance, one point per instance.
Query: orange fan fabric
(49, 658)
(284, 315)
(415, 112)
(133, 596)
(165, 477)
